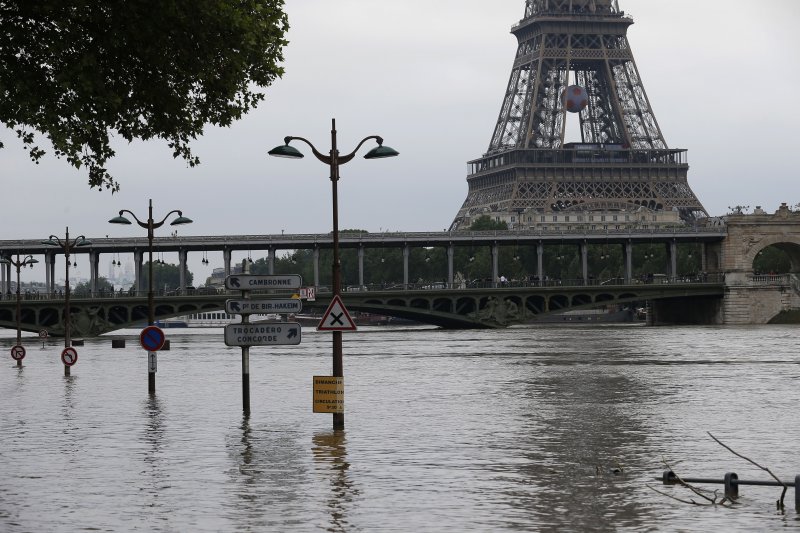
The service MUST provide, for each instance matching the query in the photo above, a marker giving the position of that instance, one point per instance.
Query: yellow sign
(328, 394)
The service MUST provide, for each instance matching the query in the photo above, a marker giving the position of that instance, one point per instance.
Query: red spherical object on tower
(575, 99)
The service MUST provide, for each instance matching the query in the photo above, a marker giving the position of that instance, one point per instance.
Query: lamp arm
(322, 157)
(131, 213)
(159, 224)
(345, 158)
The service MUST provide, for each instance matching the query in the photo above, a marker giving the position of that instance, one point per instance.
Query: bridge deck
(455, 307)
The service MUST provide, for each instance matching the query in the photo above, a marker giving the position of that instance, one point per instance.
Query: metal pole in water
(246, 352)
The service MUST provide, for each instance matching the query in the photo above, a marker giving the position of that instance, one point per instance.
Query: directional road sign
(262, 334)
(250, 282)
(248, 307)
(152, 338)
(336, 317)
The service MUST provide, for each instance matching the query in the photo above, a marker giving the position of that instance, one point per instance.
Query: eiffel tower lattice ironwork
(622, 164)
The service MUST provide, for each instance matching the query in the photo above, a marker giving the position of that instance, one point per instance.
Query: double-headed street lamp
(151, 225)
(334, 160)
(19, 263)
(66, 245)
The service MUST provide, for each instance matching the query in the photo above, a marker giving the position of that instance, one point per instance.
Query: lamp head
(120, 220)
(381, 151)
(287, 151)
(83, 242)
(50, 242)
(181, 220)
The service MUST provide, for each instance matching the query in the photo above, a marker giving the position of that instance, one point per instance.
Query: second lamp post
(151, 225)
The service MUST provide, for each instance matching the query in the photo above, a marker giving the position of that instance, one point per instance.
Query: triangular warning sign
(336, 317)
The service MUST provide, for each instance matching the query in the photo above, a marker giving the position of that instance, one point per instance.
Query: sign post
(246, 334)
(152, 339)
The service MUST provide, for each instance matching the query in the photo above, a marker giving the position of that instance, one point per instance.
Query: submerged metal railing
(732, 483)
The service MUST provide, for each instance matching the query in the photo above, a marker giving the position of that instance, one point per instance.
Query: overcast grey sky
(429, 76)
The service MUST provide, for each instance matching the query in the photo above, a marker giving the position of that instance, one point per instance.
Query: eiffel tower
(574, 57)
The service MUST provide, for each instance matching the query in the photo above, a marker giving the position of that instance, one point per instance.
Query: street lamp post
(150, 225)
(334, 160)
(66, 245)
(19, 263)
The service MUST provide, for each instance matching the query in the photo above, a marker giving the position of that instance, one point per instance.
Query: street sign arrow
(250, 282)
(263, 334)
(265, 306)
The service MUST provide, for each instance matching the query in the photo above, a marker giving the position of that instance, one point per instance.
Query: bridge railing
(533, 281)
(771, 280)
(484, 283)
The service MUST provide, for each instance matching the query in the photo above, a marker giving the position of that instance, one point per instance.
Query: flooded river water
(560, 428)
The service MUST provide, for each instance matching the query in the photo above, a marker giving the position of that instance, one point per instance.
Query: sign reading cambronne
(247, 282)
(249, 307)
(264, 334)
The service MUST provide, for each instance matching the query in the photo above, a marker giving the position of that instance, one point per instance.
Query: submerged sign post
(267, 333)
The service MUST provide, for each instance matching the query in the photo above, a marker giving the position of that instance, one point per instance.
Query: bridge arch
(790, 245)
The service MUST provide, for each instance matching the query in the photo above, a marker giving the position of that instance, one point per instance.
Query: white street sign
(248, 307)
(262, 334)
(250, 282)
(308, 293)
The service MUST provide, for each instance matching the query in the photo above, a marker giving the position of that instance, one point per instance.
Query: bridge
(450, 307)
(727, 292)
(579, 237)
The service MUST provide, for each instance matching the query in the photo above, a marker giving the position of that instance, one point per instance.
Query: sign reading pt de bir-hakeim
(328, 394)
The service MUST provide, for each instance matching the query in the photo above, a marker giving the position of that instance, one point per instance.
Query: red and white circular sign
(69, 356)
(18, 352)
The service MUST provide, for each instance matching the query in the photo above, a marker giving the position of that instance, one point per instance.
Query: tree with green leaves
(165, 276)
(82, 71)
(84, 288)
(485, 223)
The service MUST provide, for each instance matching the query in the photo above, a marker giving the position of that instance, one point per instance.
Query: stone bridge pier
(750, 297)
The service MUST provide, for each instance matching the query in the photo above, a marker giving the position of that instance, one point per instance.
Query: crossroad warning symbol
(336, 317)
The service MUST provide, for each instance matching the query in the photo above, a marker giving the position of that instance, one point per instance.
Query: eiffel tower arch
(574, 57)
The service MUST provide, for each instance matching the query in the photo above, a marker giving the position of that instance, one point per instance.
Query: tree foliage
(166, 277)
(485, 223)
(81, 71)
(84, 288)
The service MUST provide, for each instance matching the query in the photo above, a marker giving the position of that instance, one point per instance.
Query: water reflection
(268, 478)
(153, 452)
(584, 433)
(70, 428)
(330, 459)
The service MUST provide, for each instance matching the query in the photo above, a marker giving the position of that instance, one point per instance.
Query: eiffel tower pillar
(574, 58)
